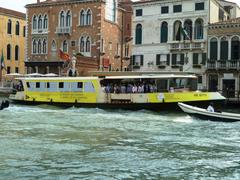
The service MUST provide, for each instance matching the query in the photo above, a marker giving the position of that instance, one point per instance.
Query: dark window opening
(80, 85)
(139, 12)
(8, 70)
(199, 6)
(177, 8)
(200, 79)
(164, 10)
(61, 85)
(28, 84)
(48, 85)
(16, 70)
(37, 84)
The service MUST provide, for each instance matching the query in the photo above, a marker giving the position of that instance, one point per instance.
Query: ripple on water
(54, 143)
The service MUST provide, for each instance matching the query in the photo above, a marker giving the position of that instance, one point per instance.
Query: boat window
(37, 84)
(88, 87)
(80, 85)
(162, 85)
(28, 85)
(61, 85)
(47, 85)
(53, 87)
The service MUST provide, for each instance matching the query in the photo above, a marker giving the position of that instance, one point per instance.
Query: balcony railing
(223, 65)
(187, 46)
(39, 31)
(64, 30)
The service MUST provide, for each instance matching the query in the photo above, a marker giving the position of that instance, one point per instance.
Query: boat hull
(126, 106)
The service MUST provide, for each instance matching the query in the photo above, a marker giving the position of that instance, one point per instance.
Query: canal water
(46, 142)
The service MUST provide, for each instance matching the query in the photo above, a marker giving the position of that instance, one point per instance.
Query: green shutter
(141, 60)
(195, 58)
(158, 59)
(168, 59)
(174, 59)
(182, 59)
(204, 58)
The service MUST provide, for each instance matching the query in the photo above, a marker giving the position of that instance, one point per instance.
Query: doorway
(228, 88)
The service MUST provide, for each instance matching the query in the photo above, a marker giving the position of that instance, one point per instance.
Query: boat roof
(149, 76)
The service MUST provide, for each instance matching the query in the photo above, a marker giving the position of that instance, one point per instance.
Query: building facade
(92, 30)
(12, 35)
(171, 36)
(223, 63)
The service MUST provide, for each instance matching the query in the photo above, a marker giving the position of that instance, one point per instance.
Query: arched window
(34, 21)
(45, 22)
(44, 49)
(39, 48)
(89, 17)
(199, 29)
(9, 27)
(68, 19)
(82, 17)
(177, 31)
(17, 28)
(235, 48)
(187, 30)
(88, 44)
(82, 44)
(214, 49)
(8, 52)
(40, 21)
(16, 53)
(62, 17)
(138, 35)
(224, 49)
(53, 46)
(34, 47)
(65, 46)
(164, 32)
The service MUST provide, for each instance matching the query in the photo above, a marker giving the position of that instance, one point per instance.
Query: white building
(171, 35)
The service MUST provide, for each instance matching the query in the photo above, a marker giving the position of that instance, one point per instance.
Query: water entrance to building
(229, 88)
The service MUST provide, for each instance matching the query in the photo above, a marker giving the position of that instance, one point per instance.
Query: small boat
(4, 104)
(206, 115)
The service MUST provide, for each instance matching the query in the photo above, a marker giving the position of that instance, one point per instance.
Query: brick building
(97, 31)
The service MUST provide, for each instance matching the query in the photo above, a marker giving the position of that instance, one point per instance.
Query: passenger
(134, 89)
(150, 88)
(210, 108)
(171, 90)
(123, 88)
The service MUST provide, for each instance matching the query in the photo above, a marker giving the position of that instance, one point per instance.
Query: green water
(45, 142)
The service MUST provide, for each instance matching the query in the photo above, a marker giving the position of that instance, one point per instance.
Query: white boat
(206, 115)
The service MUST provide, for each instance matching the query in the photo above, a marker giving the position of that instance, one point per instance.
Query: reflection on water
(53, 143)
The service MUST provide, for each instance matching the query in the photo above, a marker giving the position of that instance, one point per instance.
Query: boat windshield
(149, 85)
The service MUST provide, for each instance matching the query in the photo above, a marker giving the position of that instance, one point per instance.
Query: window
(9, 27)
(164, 32)
(213, 49)
(139, 12)
(137, 60)
(80, 85)
(16, 53)
(61, 85)
(8, 70)
(199, 29)
(82, 44)
(48, 85)
(73, 43)
(82, 18)
(110, 10)
(45, 22)
(89, 17)
(199, 6)
(8, 52)
(62, 17)
(44, 46)
(53, 46)
(24, 31)
(39, 47)
(28, 84)
(126, 50)
(16, 70)
(34, 47)
(200, 79)
(34, 20)
(164, 9)
(235, 48)
(187, 30)
(195, 58)
(68, 19)
(40, 22)
(88, 44)
(65, 46)
(17, 28)
(37, 84)
(138, 35)
(224, 49)
(177, 8)
(177, 31)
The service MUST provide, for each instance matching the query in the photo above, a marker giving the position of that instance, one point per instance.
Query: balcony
(223, 65)
(178, 46)
(39, 31)
(64, 30)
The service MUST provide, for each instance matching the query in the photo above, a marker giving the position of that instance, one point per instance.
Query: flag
(185, 33)
(2, 61)
(64, 56)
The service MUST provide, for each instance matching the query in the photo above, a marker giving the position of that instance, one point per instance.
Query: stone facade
(77, 27)
(223, 63)
(12, 35)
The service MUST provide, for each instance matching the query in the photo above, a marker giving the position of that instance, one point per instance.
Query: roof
(230, 21)
(10, 12)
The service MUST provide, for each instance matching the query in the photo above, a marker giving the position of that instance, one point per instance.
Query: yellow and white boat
(154, 92)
